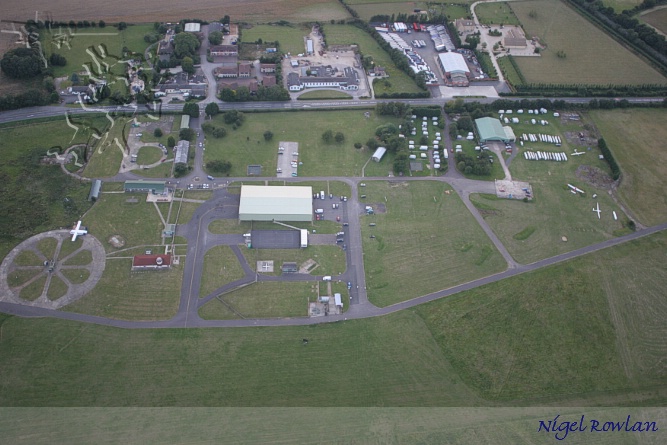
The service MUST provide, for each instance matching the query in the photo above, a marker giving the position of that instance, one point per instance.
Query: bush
(171, 142)
(219, 166)
(339, 137)
(21, 63)
(268, 135)
(157, 133)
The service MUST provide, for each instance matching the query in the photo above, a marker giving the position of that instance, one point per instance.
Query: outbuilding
(379, 153)
(490, 129)
(269, 203)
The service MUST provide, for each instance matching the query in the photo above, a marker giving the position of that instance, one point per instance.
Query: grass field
(27, 258)
(148, 155)
(349, 34)
(323, 94)
(82, 258)
(510, 73)
(67, 248)
(261, 300)
(125, 295)
(330, 259)
(426, 241)
(138, 223)
(246, 146)
(57, 288)
(21, 276)
(593, 329)
(657, 19)
(76, 276)
(593, 335)
(33, 290)
(220, 267)
(636, 138)
(621, 5)
(108, 154)
(554, 212)
(496, 14)
(291, 38)
(562, 29)
(47, 246)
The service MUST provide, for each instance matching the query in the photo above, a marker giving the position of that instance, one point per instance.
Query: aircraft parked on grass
(78, 231)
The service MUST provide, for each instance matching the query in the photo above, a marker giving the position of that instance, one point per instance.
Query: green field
(261, 300)
(47, 246)
(74, 47)
(593, 335)
(57, 288)
(33, 290)
(509, 72)
(621, 5)
(246, 146)
(21, 276)
(149, 155)
(367, 9)
(323, 94)
(349, 34)
(291, 38)
(68, 247)
(82, 258)
(108, 151)
(330, 259)
(426, 241)
(657, 19)
(220, 267)
(636, 138)
(497, 13)
(138, 223)
(75, 276)
(562, 29)
(161, 171)
(126, 295)
(27, 258)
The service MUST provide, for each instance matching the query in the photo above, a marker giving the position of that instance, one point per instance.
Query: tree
(357, 145)
(328, 136)
(102, 24)
(234, 117)
(268, 135)
(181, 169)
(191, 109)
(186, 134)
(171, 142)
(212, 109)
(219, 166)
(21, 63)
(158, 132)
(225, 20)
(185, 45)
(215, 38)
(372, 144)
(339, 137)
(188, 65)
(122, 26)
(57, 60)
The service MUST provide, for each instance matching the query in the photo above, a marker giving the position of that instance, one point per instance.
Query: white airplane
(577, 153)
(576, 189)
(597, 210)
(78, 231)
(615, 217)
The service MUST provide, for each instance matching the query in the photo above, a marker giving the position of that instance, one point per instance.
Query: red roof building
(151, 262)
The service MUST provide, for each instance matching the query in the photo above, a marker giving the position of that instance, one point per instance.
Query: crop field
(562, 29)
(590, 330)
(220, 267)
(330, 259)
(137, 223)
(152, 10)
(395, 359)
(126, 295)
(657, 19)
(636, 138)
(349, 34)
(555, 212)
(291, 38)
(496, 14)
(262, 300)
(414, 252)
(246, 145)
(367, 9)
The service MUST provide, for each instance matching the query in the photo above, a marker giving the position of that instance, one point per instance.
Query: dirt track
(153, 10)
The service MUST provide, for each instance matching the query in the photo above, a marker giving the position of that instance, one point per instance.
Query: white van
(319, 211)
(412, 157)
(326, 278)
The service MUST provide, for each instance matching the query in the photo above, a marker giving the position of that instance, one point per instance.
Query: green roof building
(155, 187)
(490, 129)
(268, 203)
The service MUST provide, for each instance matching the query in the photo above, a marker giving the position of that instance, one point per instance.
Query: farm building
(310, 49)
(182, 149)
(490, 129)
(324, 77)
(379, 153)
(268, 203)
(155, 187)
(151, 262)
(185, 121)
(455, 68)
(515, 38)
(224, 50)
(192, 27)
(95, 190)
(464, 25)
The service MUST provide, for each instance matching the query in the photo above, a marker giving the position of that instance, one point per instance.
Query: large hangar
(268, 203)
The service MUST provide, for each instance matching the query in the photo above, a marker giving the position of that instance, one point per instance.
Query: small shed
(289, 267)
(379, 153)
(338, 300)
(95, 188)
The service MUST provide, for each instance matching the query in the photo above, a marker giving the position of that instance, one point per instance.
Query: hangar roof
(276, 200)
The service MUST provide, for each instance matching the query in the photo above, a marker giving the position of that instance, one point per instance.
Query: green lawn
(76, 276)
(138, 223)
(426, 241)
(229, 226)
(68, 247)
(27, 258)
(126, 295)
(161, 171)
(21, 276)
(323, 94)
(47, 246)
(57, 288)
(562, 29)
(33, 290)
(636, 138)
(590, 330)
(148, 155)
(509, 71)
(82, 258)
(621, 5)
(349, 34)
(261, 300)
(246, 146)
(220, 267)
(498, 13)
(291, 38)
(330, 259)
(108, 151)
